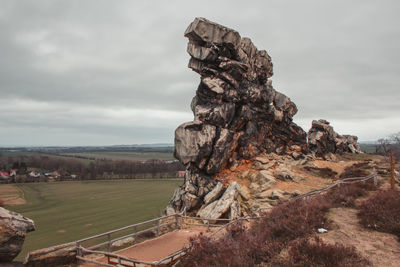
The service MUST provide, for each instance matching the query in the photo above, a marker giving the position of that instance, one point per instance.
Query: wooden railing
(180, 219)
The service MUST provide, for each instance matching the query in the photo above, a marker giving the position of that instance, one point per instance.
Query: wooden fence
(177, 221)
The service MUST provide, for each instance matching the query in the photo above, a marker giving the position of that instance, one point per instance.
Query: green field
(68, 211)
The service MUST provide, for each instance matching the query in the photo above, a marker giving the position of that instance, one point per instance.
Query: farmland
(68, 211)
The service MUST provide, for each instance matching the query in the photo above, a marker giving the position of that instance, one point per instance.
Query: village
(15, 176)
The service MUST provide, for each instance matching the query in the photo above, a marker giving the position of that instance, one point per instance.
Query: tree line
(95, 169)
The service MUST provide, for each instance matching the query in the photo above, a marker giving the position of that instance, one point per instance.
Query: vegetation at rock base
(356, 170)
(345, 195)
(314, 252)
(283, 237)
(381, 212)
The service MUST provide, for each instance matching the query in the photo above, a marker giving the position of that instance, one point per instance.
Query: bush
(2, 203)
(381, 212)
(356, 170)
(346, 194)
(294, 219)
(314, 252)
(265, 238)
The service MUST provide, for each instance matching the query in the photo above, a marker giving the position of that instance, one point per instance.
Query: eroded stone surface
(237, 112)
(239, 117)
(323, 140)
(13, 228)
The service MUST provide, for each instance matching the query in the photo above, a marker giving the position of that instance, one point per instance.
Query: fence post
(78, 249)
(392, 170)
(182, 221)
(176, 221)
(134, 233)
(375, 179)
(109, 242)
(158, 227)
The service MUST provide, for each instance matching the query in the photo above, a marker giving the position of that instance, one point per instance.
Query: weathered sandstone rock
(322, 140)
(226, 203)
(61, 255)
(239, 117)
(13, 228)
(237, 112)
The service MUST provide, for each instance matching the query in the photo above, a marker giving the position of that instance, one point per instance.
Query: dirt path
(155, 249)
(11, 195)
(380, 248)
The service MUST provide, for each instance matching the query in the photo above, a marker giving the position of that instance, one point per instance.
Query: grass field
(135, 156)
(68, 211)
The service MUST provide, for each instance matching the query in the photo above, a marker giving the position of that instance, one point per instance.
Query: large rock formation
(13, 228)
(237, 113)
(322, 140)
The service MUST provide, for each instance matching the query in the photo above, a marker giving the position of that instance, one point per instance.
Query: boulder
(285, 174)
(61, 255)
(13, 229)
(214, 194)
(219, 207)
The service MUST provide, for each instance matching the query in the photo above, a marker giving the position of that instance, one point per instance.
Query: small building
(4, 177)
(34, 174)
(13, 172)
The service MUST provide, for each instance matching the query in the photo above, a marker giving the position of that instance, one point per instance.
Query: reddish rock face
(237, 112)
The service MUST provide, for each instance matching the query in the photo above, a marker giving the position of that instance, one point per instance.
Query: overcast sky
(115, 72)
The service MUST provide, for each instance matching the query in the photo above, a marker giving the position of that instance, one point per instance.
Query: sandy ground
(157, 248)
(380, 248)
(11, 195)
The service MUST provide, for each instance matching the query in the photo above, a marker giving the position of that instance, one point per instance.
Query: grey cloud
(336, 59)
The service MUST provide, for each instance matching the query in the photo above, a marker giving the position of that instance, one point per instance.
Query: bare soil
(11, 195)
(380, 249)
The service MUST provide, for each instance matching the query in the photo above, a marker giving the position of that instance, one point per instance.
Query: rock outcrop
(322, 140)
(239, 119)
(237, 113)
(13, 228)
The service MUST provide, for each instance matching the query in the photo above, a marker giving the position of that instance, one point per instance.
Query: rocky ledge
(238, 115)
(13, 228)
